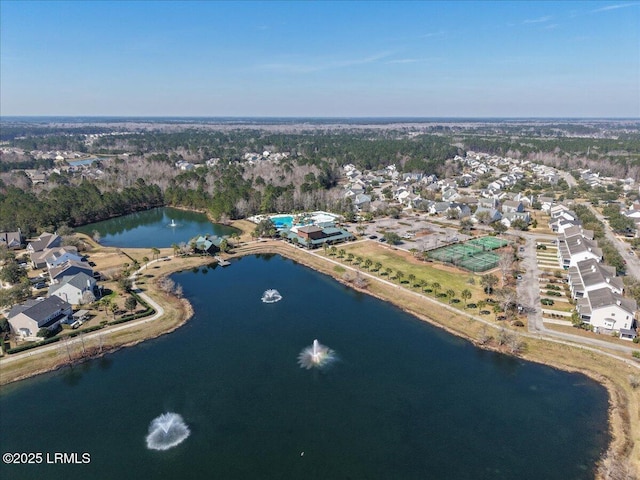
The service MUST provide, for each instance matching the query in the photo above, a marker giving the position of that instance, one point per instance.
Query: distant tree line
(71, 205)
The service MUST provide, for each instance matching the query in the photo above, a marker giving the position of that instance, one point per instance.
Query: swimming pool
(282, 221)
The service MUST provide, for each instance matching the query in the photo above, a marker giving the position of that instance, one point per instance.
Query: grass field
(447, 277)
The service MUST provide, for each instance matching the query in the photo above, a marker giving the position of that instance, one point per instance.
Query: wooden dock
(222, 262)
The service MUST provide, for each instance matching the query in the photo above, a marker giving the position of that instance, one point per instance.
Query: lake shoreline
(623, 436)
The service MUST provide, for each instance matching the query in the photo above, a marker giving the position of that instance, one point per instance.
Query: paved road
(529, 295)
(633, 263)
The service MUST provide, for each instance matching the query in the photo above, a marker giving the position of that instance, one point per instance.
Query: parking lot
(416, 231)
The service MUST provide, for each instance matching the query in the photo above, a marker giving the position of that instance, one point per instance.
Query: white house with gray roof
(577, 248)
(606, 310)
(73, 289)
(29, 317)
(591, 275)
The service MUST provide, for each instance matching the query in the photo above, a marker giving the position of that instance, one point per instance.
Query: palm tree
(435, 286)
(333, 250)
(175, 249)
(466, 295)
(359, 260)
(155, 252)
(412, 279)
(388, 271)
(399, 276)
(114, 309)
(341, 253)
(350, 257)
(450, 294)
(145, 260)
(423, 284)
(377, 266)
(367, 263)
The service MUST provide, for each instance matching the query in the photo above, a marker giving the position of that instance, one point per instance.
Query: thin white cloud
(551, 26)
(432, 34)
(320, 66)
(537, 20)
(405, 60)
(614, 7)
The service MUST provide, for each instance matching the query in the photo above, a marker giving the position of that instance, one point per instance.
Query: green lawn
(447, 277)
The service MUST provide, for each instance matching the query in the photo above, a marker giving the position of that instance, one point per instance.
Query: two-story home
(26, 319)
(46, 240)
(69, 268)
(75, 288)
(11, 240)
(576, 248)
(591, 275)
(604, 309)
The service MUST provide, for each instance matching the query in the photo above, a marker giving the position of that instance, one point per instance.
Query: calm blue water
(405, 400)
(151, 228)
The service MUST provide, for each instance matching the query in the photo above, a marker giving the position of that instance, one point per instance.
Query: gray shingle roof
(39, 310)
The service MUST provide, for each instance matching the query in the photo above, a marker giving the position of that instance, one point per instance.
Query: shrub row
(22, 348)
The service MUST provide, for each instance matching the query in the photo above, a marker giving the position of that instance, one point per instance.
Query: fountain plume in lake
(271, 296)
(173, 224)
(316, 356)
(167, 431)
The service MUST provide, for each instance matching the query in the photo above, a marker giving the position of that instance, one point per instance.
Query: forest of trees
(71, 205)
(303, 180)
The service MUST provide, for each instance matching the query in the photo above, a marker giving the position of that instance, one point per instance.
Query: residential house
(39, 259)
(450, 195)
(589, 275)
(362, 202)
(546, 203)
(46, 240)
(509, 217)
(605, 310)
(11, 240)
(58, 256)
(69, 268)
(490, 203)
(493, 214)
(576, 248)
(510, 206)
(73, 288)
(29, 317)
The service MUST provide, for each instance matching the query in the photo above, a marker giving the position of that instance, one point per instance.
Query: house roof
(39, 310)
(604, 297)
(10, 238)
(59, 270)
(44, 241)
(592, 273)
(80, 281)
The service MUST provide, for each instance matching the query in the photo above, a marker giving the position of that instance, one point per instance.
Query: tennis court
(474, 255)
(488, 243)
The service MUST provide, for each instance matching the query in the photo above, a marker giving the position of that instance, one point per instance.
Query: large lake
(153, 228)
(404, 401)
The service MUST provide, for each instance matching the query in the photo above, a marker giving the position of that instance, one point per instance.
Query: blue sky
(422, 59)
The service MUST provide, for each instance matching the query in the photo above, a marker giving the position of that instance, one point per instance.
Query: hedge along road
(116, 328)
